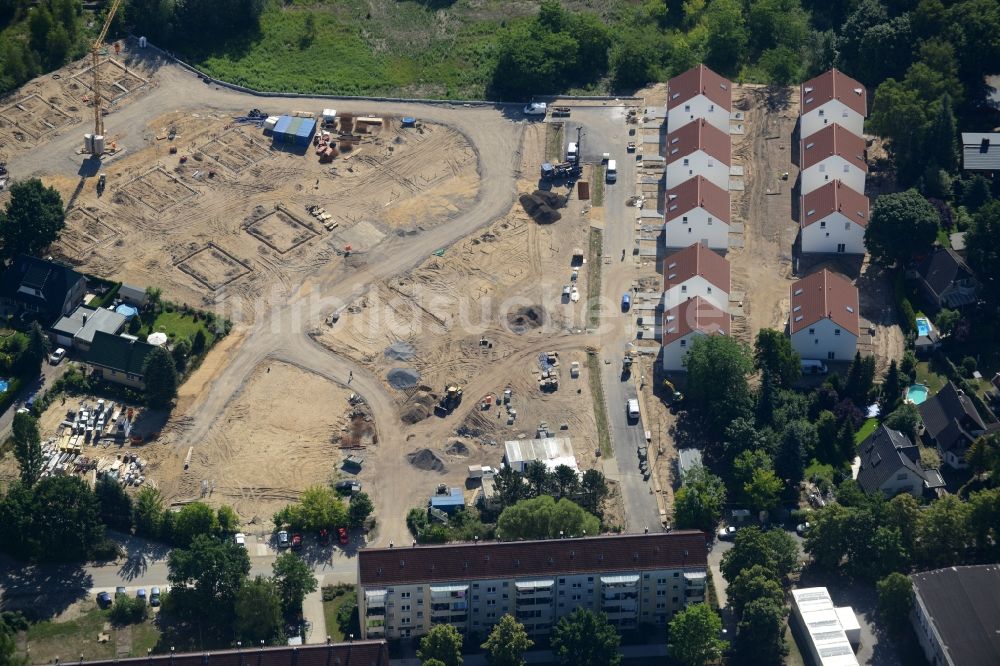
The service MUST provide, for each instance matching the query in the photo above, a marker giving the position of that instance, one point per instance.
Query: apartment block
(634, 579)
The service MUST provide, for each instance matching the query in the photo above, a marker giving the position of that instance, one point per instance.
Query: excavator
(676, 397)
(450, 401)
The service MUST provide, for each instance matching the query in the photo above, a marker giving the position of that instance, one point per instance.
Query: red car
(342, 535)
(296, 541)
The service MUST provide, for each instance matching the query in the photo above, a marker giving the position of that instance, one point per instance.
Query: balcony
(442, 593)
(375, 612)
(374, 623)
(534, 588)
(620, 607)
(534, 601)
(375, 598)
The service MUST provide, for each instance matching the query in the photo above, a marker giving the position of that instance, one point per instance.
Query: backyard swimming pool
(3, 385)
(916, 394)
(923, 326)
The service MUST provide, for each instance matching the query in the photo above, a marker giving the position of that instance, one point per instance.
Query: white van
(571, 152)
(611, 174)
(632, 407)
(814, 367)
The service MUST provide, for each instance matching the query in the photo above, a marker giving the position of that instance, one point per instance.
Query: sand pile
(541, 206)
(457, 448)
(400, 351)
(403, 378)
(426, 460)
(418, 407)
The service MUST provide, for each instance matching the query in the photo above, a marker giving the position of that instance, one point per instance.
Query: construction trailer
(293, 130)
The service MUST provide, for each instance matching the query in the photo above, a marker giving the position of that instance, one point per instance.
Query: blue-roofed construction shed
(454, 500)
(294, 130)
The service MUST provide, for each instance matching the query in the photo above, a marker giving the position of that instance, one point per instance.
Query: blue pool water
(923, 326)
(916, 394)
(3, 385)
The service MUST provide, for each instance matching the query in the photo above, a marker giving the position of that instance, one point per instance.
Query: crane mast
(95, 53)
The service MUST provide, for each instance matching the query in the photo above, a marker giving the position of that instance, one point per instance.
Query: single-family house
(696, 271)
(699, 93)
(43, 288)
(823, 322)
(833, 153)
(685, 321)
(118, 359)
(890, 464)
(833, 220)
(697, 212)
(832, 97)
(946, 279)
(76, 330)
(698, 149)
(133, 295)
(951, 423)
(981, 151)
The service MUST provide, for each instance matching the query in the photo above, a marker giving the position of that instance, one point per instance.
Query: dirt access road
(280, 327)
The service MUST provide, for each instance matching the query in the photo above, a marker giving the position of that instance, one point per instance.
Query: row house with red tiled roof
(824, 323)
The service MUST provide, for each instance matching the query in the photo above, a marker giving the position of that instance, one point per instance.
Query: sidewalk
(312, 605)
(48, 374)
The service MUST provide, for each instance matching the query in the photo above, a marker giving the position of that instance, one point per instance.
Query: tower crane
(94, 53)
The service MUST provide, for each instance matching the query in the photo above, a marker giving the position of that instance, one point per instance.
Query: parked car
(120, 592)
(154, 596)
(57, 356)
(103, 599)
(283, 541)
(348, 486)
(241, 539)
(802, 528)
(535, 109)
(727, 533)
(296, 541)
(342, 535)
(140, 594)
(626, 302)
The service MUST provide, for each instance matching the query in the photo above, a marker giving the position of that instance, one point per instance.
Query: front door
(841, 247)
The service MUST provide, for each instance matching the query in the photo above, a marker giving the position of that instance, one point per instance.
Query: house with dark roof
(832, 97)
(118, 359)
(696, 271)
(44, 288)
(833, 153)
(699, 93)
(833, 219)
(981, 151)
(946, 279)
(824, 323)
(890, 464)
(697, 211)
(956, 615)
(698, 149)
(686, 321)
(354, 653)
(951, 423)
(634, 579)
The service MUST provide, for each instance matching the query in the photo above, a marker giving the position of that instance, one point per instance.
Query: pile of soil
(521, 319)
(426, 460)
(457, 448)
(542, 205)
(414, 414)
(400, 351)
(403, 378)
(418, 407)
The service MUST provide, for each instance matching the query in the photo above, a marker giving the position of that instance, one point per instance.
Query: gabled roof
(694, 314)
(963, 606)
(833, 85)
(941, 268)
(117, 353)
(354, 653)
(824, 295)
(39, 283)
(883, 454)
(694, 260)
(981, 151)
(834, 197)
(949, 416)
(84, 322)
(698, 135)
(833, 140)
(697, 192)
(516, 559)
(700, 80)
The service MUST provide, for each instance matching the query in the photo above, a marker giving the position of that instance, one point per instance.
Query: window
(404, 595)
(710, 290)
(711, 162)
(689, 229)
(491, 602)
(836, 331)
(491, 589)
(821, 113)
(660, 605)
(684, 343)
(404, 620)
(661, 581)
(404, 608)
(577, 585)
(661, 593)
(675, 600)
(847, 226)
(420, 614)
(677, 574)
(812, 331)
(684, 219)
(711, 107)
(822, 168)
(577, 597)
(830, 356)
(847, 167)
(844, 113)
(590, 579)
(491, 615)
(686, 162)
(684, 288)
(687, 108)
(475, 597)
(709, 221)
(822, 225)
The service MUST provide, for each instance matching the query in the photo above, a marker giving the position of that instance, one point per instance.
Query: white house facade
(683, 323)
(832, 97)
(698, 211)
(825, 340)
(698, 149)
(824, 323)
(833, 153)
(699, 93)
(831, 168)
(834, 218)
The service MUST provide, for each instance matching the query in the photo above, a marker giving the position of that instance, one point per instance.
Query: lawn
(178, 326)
(77, 638)
(597, 185)
(867, 428)
(330, 609)
(932, 380)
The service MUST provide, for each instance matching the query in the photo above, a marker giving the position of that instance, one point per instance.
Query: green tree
(58, 519)
(983, 456)
(799, 439)
(757, 582)
(764, 490)
(32, 218)
(694, 636)
(775, 550)
(538, 477)
(160, 376)
(906, 419)
(566, 481)
(700, 500)
(826, 540)
(128, 610)
(358, 510)
(228, 519)
(717, 370)
(941, 138)
(115, 504)
(727, 37)
(215, 569)
(895, 600)
(545, 518)
(511, 487)
(198, 343)
(8, 646)
(781, 65)
(892, 388)
(507, 643)
(943, 532)
(772, 352)
(257, 610)
(982, 243)
(760, 634)
(585, 638)
(902, 225)
(318, 508)
(442, 642)
(147, 511)
(593, 491)
(27, 447)
(633, 59)
(180, 353)
(294, 579)
(38, 348)
(744, 466)
(860, 379)
(193, 520)
(827, 445)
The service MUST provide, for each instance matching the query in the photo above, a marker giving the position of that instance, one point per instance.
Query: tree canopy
(902, 225)
(700, 500)
(442, 642)
(318, 508)
(586, 638)
(694, 636)
(717, 371)
(982, 243)
(773, 353)
(32, 219)
(159, 373)
(545, 518)
(57, 519)
(27, 447)
(294, 579)
(507, 643)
